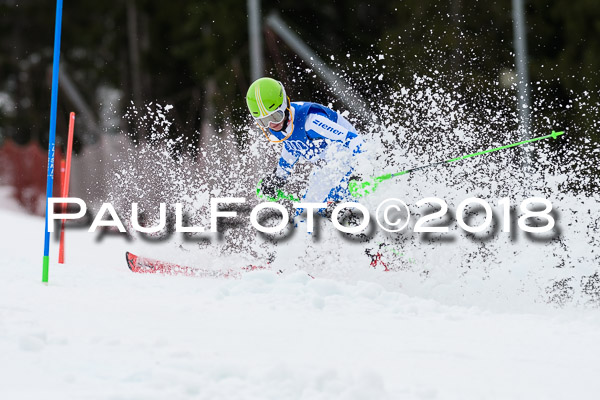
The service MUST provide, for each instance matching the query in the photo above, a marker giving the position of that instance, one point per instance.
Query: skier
(306, 130)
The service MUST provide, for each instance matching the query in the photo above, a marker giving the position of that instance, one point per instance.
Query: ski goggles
(275, 117)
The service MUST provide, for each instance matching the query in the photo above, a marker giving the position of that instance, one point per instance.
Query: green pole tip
(557, 134)
(45, 268)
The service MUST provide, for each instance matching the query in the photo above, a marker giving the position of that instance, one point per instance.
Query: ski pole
(359, 188)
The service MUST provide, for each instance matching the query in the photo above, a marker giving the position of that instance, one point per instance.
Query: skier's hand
(271, 185)
(356, 177)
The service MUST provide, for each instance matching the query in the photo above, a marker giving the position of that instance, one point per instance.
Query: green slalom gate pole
(360, 188)
(52, 137)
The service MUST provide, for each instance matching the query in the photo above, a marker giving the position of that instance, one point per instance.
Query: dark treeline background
(195, 54)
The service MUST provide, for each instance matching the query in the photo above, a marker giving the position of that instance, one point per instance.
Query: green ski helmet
(267, 101)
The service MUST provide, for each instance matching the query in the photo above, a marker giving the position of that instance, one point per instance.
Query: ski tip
(130, 258)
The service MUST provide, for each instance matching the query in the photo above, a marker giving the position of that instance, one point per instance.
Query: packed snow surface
(492, 315)
(98, 331)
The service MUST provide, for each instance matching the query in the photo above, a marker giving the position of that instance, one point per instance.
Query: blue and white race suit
(319, 135)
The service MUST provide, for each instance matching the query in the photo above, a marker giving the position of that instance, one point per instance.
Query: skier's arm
(271, 184)
(285, 164)
(318, 126)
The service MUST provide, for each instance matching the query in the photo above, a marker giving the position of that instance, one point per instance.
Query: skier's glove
(271, 185)
(355, 177)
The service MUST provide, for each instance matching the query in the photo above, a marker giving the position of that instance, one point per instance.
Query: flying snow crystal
(419, 121)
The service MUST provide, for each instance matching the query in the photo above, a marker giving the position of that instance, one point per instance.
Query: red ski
(145, 265)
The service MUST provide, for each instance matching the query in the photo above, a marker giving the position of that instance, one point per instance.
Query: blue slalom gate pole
(52, 138)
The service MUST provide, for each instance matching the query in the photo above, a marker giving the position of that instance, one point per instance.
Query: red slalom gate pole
(61, 247)
(65, 187)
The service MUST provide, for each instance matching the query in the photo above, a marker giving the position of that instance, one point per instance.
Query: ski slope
(98, 331)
